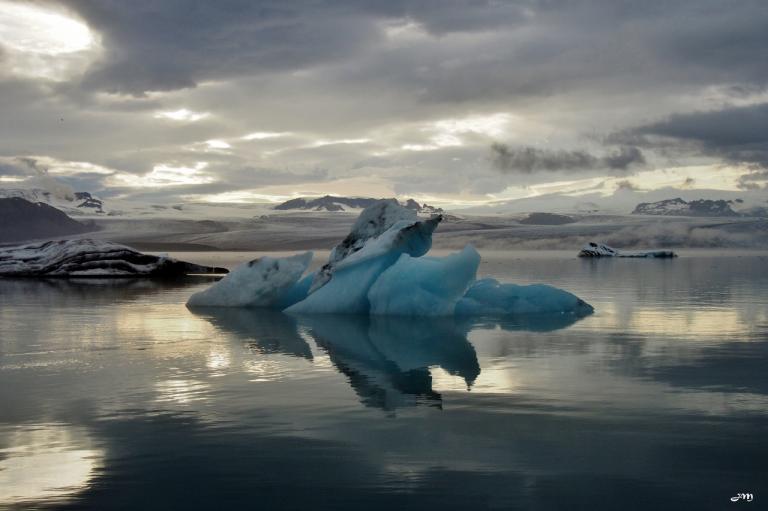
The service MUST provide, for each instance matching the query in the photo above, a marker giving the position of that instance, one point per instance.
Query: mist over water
(656, 401)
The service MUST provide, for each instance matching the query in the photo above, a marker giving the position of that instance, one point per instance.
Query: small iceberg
(379, 269)
(592, 249)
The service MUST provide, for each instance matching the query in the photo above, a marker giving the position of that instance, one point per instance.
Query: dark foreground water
(114, 396)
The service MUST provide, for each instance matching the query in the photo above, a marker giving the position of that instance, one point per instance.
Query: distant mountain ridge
(680, 207)
(78, 203)
(332, 203)
(22, 220)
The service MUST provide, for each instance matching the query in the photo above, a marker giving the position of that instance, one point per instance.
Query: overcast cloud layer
(459, 101)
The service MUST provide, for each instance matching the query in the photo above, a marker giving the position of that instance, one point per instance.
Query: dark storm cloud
(528, 160)
(753, 180)
(735, 134)
(623, 158)
(176, 44)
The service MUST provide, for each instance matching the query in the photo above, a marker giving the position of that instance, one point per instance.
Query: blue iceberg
(379, 270)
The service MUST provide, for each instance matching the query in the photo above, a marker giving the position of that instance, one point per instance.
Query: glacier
(381, 269)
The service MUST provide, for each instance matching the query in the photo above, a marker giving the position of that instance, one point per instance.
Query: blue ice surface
(424, 286)
(346, 292)
(488, 296)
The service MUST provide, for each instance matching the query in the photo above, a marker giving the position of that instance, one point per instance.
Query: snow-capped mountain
(331, 203)
(680, 207)
(77, 204)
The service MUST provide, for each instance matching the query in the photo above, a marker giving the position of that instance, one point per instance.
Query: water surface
(113, 395)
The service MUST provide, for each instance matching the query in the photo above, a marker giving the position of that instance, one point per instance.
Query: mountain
(23, 220)
(331, 203)
(680, 207)
(79, 203)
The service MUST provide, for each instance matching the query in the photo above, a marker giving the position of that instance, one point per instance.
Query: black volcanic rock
(331, 203)
(23, 220)
(679, 207)
(547, 219)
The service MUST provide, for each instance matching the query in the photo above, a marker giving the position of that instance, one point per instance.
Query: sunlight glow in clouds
(28, 28)
(181, 115)
(43, 43)
(447, 132)
(217, 144)
(166, 175)
(263, 135)
(343, 141)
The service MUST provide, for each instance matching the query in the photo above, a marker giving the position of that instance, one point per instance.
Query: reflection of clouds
(218, 359)
(50, 461)
(267, 369)
(726, 324)
(181, 391)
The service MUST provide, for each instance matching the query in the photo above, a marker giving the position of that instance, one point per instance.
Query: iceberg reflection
(262, 330)
(388, 360)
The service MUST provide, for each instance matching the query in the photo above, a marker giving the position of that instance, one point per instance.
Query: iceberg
(592, 249)
(379, 270)
(264, 282)
(91, 258)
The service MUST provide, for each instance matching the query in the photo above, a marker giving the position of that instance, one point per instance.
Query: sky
(453, 102)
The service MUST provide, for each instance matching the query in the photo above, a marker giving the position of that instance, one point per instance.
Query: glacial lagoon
(114, 395)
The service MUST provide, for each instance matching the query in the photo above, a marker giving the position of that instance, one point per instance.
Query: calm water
(115, 396)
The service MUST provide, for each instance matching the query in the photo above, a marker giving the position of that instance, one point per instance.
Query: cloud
(751, 180)
(39, 176)
(428, 83)
(528, 159)
(623, 158)
(626, 185)
(734, 134)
